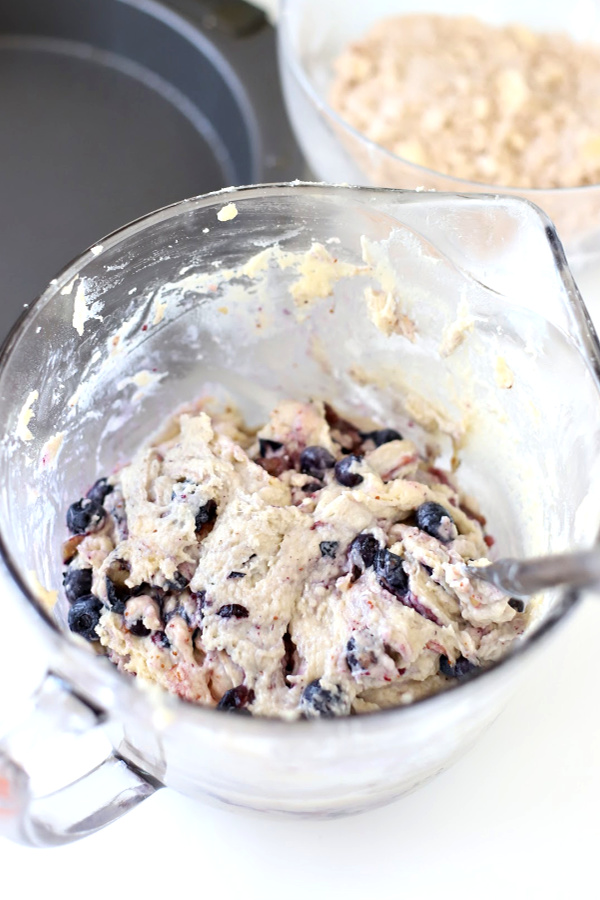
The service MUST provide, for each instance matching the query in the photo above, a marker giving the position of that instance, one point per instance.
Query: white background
(518, 816)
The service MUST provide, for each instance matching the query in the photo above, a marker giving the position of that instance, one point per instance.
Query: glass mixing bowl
(140, 323)
(312, 34)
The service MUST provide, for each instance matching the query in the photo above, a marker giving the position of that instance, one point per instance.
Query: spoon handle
(522, 578)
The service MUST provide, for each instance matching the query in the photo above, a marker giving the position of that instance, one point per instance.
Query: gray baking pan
(112, 108)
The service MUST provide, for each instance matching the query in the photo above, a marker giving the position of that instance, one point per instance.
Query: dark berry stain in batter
(413, 602)
(99, 491)
(289, 656)
(233, 611)
(461, 668)
(236, 575)
(151, 590)
(314, 461)
(312, 487)
(177, 583)
(236, 699)
(84, 615)
(117, 594)
(206, 514)
(435, 520)
(382, 436)
(77, 583)
(274, 465)
(363, 550)
(138, 628)
(161, 640)
(343, 431)
(85, 515)
(329, 548)
(390, 572)
(266, 445)
(358, 658)
(343, 471)
(318, 701)
(181, 612)
(199, 598)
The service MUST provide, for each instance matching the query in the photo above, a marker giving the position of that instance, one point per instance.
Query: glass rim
(461, 184)
(137, 697)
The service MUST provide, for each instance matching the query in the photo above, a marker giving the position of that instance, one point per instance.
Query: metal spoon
(520, 578)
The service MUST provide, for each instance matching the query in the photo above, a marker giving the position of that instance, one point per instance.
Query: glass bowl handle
(82, 807)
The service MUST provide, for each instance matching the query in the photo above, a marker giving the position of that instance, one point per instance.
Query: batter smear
(307, 569)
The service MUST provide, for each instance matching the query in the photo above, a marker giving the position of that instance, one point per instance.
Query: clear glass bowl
(312, 34)
(160, 297)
